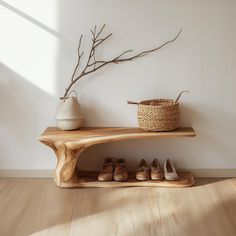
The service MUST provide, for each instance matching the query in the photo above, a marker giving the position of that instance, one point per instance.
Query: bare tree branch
(151, 50)
(97, 64)
(95, 29)
(94, 56)
(102, 40)
(113, 60)
(79, 58)
(100, 31)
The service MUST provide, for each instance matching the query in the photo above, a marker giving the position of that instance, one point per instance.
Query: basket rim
(163, 102)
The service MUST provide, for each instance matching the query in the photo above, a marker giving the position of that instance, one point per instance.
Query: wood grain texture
(37, 207)
(68, 145)
(89, 179)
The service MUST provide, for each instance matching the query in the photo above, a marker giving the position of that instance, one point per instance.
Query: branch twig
(79, 58)
(97, 64)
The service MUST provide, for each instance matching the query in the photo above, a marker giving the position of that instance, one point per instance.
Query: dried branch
(100, 31)
(79, 58)
(151, 50)
(94, 56)
(97, 64)
(115, 60)
(102, 40)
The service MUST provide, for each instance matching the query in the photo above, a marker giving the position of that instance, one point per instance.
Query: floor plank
(38, 207)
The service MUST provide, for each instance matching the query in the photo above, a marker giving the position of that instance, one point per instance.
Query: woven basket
(158, 114)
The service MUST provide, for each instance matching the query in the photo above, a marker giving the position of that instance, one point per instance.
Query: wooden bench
(68, 145)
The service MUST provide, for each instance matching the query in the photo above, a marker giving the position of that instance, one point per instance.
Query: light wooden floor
(38, 207)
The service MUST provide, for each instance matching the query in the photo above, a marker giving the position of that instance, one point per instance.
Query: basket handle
(72, 91)
(130, 102)
(177, 99)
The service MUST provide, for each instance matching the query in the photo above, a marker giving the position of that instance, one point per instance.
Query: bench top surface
(55, 134)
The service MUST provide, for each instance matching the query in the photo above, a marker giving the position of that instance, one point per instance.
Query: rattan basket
(158, 114)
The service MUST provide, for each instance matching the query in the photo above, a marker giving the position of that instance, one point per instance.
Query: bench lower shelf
(89, 179)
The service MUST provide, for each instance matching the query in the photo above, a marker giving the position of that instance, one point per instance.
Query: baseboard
(210, 173)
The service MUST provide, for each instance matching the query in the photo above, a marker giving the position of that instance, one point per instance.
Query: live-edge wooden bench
(68, 145)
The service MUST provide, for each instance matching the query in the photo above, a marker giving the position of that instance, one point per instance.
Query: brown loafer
(120, 173)
(143, 172)
(156, 171)
(106, 174)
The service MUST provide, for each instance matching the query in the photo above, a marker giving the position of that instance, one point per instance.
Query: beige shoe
(170, 171)
(120, 173)
(106, 173)
(143, 172)
(156, 171)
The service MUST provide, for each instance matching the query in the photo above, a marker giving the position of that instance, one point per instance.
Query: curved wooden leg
(65, 175)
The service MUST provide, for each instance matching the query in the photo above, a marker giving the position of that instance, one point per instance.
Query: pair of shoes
(145, 173)
(155, 172)
(113, 169)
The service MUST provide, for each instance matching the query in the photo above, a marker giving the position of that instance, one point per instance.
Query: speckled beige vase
(68, 114)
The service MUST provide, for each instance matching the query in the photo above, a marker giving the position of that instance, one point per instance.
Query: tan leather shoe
(170, 171)
(120, 173)
(156, 171)
(143, 172)
(106, 174)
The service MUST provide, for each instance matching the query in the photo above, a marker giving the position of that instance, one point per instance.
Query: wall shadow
(24, 116)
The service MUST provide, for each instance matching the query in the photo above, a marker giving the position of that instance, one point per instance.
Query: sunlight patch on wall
(43, 11)
(33, 46)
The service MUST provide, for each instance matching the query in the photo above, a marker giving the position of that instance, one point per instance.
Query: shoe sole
(105, 178)
(157, 177)
(142, 178)
(121, 178)
(171, 179)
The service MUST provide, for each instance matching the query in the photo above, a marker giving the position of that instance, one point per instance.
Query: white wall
(38, 52)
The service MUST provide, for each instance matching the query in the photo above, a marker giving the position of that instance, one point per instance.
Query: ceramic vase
(68, 114)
